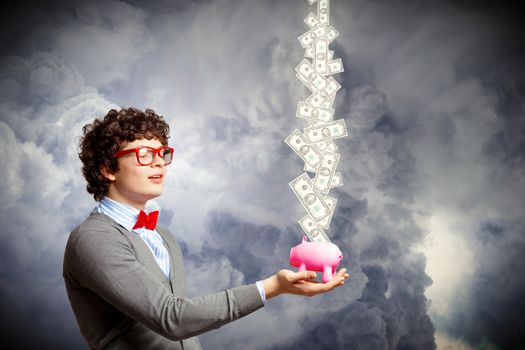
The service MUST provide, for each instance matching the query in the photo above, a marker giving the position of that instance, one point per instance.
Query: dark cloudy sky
(430, 217)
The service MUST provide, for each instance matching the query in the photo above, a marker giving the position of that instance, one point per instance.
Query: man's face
(132, 184)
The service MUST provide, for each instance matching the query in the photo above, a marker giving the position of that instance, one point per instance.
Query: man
(124, 275)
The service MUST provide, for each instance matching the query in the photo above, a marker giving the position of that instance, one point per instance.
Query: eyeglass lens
(146, 155)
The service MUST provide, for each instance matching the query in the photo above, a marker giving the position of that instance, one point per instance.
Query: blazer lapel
(177, 273)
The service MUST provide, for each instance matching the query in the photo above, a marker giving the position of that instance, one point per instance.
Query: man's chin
(155, 194)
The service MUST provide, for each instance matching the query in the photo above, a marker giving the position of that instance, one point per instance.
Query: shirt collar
(121, 213)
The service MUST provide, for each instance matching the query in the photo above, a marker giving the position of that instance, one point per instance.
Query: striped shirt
(126, 216)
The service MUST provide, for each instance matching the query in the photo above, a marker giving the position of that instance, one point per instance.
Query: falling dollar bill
(332, 202)
(306, 82)
(313, 230)
(308, 154)
(327, 145)
(321, 56)
(310, 36)
(326, 171)
(319, 81)
(330, 89)
(328, 102)
(309, 168)
(329, 131)
(309, 112)
(337, 180)
(323, 10)
(316, 99)
(311, 200)
(311, 20)
(332, 34)
(306, 70)
(336, 66)
(309, 51)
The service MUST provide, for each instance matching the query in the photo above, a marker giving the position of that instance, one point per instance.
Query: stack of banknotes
(315, 144)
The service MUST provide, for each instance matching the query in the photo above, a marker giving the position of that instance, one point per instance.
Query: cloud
(450, 107)
(432, 168)
(104, 40)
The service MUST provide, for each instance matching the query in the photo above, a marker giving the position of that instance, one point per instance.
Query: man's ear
(104, 171)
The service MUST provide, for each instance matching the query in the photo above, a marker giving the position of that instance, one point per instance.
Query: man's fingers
(304, 275)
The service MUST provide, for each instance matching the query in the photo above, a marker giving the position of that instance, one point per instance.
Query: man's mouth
(155, 177)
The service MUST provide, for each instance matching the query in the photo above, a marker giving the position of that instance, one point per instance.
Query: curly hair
(102, 138)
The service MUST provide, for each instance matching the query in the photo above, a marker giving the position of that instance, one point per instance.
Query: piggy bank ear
(305, 239)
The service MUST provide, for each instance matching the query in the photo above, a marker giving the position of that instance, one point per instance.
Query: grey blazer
(122, 300)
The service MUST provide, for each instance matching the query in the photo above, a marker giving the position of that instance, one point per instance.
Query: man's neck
(137, 205)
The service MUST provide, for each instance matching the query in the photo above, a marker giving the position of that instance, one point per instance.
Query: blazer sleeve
(104, 261)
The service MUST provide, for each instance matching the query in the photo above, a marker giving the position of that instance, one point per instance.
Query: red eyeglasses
(146, 155)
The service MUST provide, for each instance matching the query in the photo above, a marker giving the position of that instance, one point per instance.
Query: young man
(124, 275)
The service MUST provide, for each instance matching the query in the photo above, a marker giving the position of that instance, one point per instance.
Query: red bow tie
(147, 220)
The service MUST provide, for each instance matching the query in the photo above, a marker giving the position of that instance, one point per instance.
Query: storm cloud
(430, 216)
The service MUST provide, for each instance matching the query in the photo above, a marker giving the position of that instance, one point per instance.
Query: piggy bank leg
(334, 273)
(327, 274)
(302, 267)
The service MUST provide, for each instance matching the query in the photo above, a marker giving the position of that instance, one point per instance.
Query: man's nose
(158, 160)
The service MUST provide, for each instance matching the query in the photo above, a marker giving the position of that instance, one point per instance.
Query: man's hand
(300, 283)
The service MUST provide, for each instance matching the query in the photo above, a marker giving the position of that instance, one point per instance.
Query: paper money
(332, 202)
(316, 146)
(309, 168)
(332, 34)
(311, 20)
(315, 99)
(328, 145)
(316, 123)
(313, 230)
(330, 131)
(326, 171)
(309, 112)
(321, 56)
(309, 51)
(306, 82)
(331, 88)
(311, 200)
(337, 180)
(323, 11)
(306, 69)
(319, 81)
(306, 152)
(328, 102)
(336, 66)
(313, 34)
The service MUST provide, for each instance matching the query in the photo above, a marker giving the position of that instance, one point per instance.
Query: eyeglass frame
(156, 151)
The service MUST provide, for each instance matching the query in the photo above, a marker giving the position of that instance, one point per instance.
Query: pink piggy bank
(316, 256)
